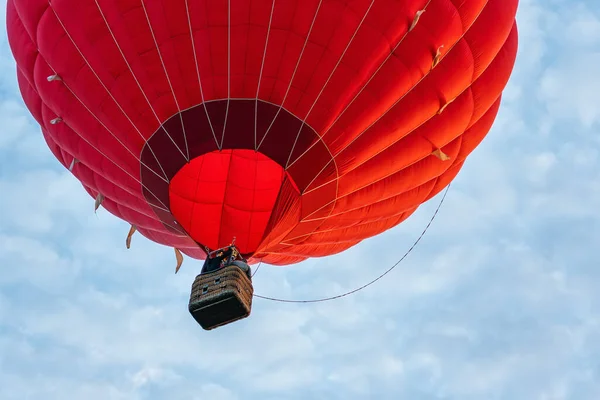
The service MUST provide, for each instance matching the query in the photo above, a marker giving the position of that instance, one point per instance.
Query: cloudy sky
(499, 301)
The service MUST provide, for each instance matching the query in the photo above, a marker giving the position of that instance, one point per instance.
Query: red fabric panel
(362, 110)
(224, 194)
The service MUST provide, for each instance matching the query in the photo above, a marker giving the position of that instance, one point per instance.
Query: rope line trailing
(374, 280)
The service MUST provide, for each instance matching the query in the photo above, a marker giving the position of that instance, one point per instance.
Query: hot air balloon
(299, 127)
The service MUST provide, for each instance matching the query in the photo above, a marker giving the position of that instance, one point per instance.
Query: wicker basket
(221, 297)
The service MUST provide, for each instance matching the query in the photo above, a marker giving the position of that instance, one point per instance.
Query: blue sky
(499, 300)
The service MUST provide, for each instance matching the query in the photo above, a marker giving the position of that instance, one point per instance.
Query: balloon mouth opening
(259, 140)
(225, 194)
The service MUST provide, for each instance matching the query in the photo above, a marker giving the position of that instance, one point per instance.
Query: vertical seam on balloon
(39, 55)
(435, 179)
(364, 17)
(427, 74)
(375, 155)
(363, 87)
(253, 202)
(275, 218)
(165, 178)
(345, 244)
(196, 191)
(52, 143)
(237, 98)
(363, 224)
(405, 191)
(150, 205)
(247, 29)
(105, 127)
(280, 59)
(224, 196)
(459, 137)
(391, 107)
(260, 74)
(119, 204)
(314, 232)
(377, 181)
(228, 71)
(468, 89)
(291, 82)
(168, 80)
(110, 94)
(135, 78)
(104, 156)
(337, 179)
(33, 42)
(120, 167)
(502, 49)
(96, 176)
(189, 18)
(37, 27)
(293, 74)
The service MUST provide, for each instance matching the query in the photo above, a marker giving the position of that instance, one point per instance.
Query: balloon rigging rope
(371, 282)
(257, 267)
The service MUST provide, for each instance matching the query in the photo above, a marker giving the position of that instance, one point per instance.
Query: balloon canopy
(300, 127)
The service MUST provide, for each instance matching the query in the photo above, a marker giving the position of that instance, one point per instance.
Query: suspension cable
(374, 280)
(256, 270)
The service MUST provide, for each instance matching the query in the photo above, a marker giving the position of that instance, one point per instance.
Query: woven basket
(221, 297)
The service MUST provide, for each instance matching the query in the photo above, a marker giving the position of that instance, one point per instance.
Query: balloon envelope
(301, 127)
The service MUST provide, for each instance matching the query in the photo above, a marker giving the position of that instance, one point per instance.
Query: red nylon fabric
(352, 72)
(226, 194)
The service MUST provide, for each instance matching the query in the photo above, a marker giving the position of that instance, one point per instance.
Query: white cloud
(570, 90)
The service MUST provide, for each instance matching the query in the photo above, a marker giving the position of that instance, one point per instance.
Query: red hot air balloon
(299, 127)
